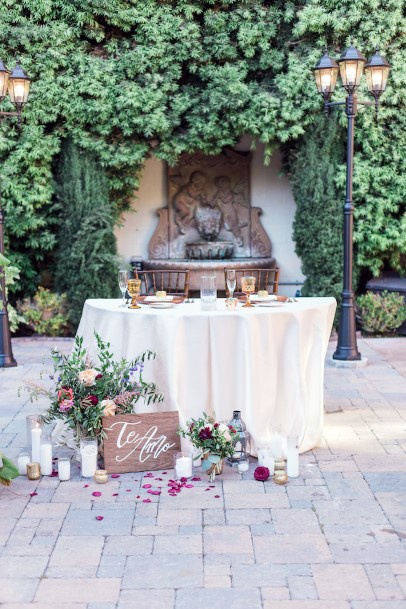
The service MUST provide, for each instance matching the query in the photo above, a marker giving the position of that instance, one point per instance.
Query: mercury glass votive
(280, 477)
(33, 471)
(101, 476)
(279, 464)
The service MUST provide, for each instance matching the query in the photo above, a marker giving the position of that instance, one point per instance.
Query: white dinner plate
(273, 303)
(162, 305)
(269, 298)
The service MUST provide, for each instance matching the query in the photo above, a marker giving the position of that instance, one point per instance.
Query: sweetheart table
(267, 361)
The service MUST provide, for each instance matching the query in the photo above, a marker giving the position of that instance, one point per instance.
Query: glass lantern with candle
(88, 456)
(46, 455)
(33, 421)
(240, 440)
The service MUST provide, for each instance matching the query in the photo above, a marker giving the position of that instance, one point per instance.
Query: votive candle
(46, 456)
(183, 465)
(22, 463)
(63, 469)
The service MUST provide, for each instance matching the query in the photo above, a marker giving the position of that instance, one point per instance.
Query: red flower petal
(96, 493)
(217, 496)
(33, 494)
(196, 479)
(154, 492)
(85, 486)
(212, 486)
(115, 475)
(146, 500)
(146, 485)
(115, 495)
(138, 496)
(128, 490)
(206, 489)
(189, 485)
(99, 517)
(163, 473)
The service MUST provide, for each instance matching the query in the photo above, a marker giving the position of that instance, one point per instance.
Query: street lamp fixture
(18, 86)
(351, 66)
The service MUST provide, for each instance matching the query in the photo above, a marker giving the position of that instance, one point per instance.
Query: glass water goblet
(248, 287)
(122, 283)
(134, 288)
(231, 282)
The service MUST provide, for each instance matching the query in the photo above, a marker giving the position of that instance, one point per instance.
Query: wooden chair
(175, 282)
(265, 279)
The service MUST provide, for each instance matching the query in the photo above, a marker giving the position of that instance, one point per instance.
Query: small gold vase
(33, 471)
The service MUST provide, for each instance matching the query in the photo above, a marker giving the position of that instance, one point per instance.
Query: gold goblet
(134, 288)
(248, 286)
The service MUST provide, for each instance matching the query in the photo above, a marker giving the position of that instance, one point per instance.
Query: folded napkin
(155, 299)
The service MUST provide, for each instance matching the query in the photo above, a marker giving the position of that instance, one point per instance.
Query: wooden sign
(140, 442)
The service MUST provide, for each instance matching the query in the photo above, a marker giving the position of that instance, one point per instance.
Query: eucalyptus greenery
(126, 79)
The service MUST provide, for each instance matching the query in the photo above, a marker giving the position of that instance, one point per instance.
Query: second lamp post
(351, 66)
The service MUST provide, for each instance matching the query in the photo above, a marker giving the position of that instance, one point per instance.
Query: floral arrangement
(84, 392)
(214, 441)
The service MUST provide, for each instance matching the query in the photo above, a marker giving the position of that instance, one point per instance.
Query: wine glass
(248, 286)
(122, 282)
(231, 282)
(134, 288)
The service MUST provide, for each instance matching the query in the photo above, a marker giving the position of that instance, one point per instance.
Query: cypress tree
(317, 228)
(86, 263)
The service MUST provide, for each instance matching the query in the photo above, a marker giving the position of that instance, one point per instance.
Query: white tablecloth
(267, 362)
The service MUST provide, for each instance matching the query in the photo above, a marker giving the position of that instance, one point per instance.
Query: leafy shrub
(46, 313)
(381, 313)
(12, 274)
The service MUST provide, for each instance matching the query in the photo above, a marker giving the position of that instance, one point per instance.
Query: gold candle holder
(134, 288)
(280, 477)
(279, 464)
(33, 471)
(101, 476)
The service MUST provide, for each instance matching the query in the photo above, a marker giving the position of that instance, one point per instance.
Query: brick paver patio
(334, 538)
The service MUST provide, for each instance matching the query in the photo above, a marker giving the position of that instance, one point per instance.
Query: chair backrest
(265, 279)
(172, 282)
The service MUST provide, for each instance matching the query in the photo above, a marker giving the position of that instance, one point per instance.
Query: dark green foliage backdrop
(86, 246)
(125, 79)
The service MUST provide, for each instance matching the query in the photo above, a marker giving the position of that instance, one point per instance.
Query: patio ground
(334, 538)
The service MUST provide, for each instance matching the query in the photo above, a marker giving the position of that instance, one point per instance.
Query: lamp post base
(6, 353)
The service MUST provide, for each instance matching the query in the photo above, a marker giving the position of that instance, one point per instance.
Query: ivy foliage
(125, 79)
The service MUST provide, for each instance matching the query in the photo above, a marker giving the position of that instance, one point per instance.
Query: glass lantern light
(325, 73)
(240, 440)
(18, 87)
(4, 76)
(377, 71)
(351, 65)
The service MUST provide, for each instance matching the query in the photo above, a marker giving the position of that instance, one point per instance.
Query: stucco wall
(269, 190)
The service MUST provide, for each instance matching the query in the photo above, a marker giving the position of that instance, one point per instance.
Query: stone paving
(334, 538)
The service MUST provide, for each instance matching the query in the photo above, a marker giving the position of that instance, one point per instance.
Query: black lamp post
(351, 66)
(18, 85)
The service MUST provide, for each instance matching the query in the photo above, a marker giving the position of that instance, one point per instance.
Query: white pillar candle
(46, 458)
(88, 454)
(22, 464)
(269, 462)
(36, 444)
(292, 457)
(63, 469)
(184, 467)
(277, 446)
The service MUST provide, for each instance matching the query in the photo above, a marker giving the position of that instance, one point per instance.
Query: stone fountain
(209, 223)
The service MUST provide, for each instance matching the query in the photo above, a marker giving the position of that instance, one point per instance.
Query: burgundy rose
(98, 376)
(216, 425)
(261, 473)
(93, 399)
(205, 433)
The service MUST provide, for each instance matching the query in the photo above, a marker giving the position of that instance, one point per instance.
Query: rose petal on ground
(154, 492)
(146, 485)
(99, 517)
(212, 486)
(183, 479)
(189, 485)
(160, 479)
(138, 496)
(85, 486)
(217, 496)
(115, 475)
(196, 479)
(163, 473)
(146, 501)
(115, 495)
(128, 490)
(206, 489)
(33, 494)
(96, 493)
